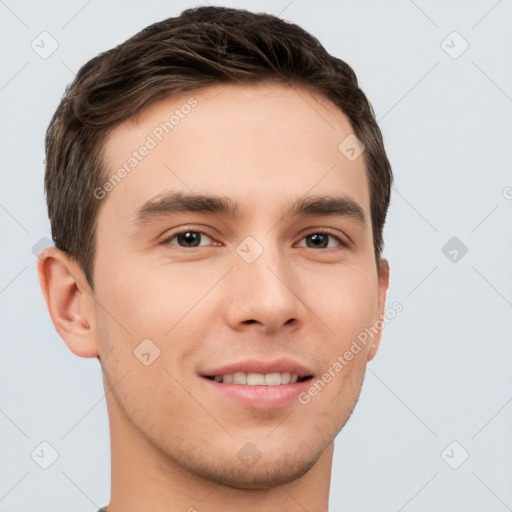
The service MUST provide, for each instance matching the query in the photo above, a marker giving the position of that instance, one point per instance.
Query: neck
(145, 478)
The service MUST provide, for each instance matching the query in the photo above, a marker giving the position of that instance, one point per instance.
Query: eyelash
(341, 242)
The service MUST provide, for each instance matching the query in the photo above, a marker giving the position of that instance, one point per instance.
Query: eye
(188, 238)
(323, 240)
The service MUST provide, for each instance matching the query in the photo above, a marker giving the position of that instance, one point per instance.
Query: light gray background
(443, 372)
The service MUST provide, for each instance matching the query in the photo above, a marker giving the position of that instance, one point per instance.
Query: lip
(255, 366)
(260, 397)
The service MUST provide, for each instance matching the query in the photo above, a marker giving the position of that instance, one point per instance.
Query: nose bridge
(261, 286)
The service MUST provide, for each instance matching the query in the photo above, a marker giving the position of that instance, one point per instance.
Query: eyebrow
(341, 206)
(179, 202)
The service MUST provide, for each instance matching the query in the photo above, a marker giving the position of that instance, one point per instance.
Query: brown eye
(188, 239)
(321, 240)
(318, 240)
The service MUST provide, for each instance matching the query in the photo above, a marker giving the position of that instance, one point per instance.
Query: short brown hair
(201, 47)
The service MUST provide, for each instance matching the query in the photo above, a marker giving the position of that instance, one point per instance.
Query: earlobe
(69, 300)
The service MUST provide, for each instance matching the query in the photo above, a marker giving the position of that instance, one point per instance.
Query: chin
(263, 475)
(279, 465)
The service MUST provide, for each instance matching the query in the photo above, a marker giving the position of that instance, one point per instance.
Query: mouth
(258, 379)
(258, 384)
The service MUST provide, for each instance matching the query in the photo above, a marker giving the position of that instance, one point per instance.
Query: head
(205, 211)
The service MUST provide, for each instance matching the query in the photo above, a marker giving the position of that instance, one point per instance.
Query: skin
(174, 441)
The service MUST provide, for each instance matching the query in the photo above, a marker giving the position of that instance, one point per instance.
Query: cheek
(345, 301)
(125, 320)
(144, 303)
(137, 355)
(158, 304)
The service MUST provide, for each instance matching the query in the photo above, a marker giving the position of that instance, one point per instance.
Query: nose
(263, 295)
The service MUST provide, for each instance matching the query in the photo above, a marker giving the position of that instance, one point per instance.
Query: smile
(258, 384)
(257, 379)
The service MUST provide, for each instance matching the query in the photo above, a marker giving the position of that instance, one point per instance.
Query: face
(236, 248)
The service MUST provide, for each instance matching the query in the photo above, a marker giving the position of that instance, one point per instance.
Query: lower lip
(261, 397)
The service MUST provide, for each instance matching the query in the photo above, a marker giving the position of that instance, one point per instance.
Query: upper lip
(257, 366)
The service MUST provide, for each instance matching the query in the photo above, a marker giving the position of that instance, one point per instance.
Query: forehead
(259, 144)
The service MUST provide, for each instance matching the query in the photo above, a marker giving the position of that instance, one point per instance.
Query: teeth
(240, 378)
(273, 379)
(257, 379)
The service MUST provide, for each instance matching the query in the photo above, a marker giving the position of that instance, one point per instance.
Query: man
(217, 187)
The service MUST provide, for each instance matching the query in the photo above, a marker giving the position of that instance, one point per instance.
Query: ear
(382, 288)
(69, 299)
